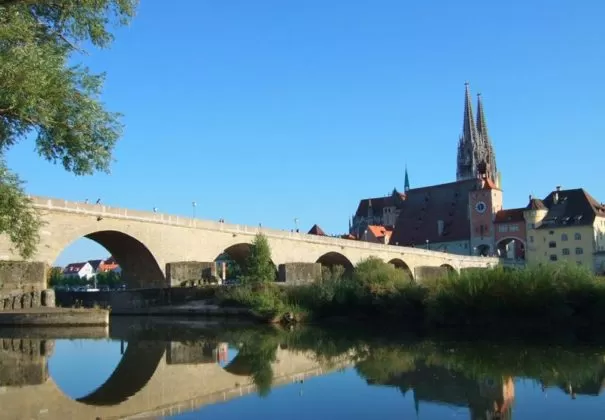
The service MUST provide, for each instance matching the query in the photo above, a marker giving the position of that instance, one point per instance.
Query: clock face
(480, 207)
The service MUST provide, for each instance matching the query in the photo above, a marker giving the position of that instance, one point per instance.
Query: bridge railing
(104, 211)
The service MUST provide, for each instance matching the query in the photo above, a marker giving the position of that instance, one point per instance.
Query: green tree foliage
(109, 278)
(54, 276)
(18, 219)
(259, 268)
(45, 95)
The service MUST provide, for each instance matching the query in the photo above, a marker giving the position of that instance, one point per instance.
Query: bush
(259, 268)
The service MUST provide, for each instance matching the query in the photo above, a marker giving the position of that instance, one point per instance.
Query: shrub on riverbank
(554, 296)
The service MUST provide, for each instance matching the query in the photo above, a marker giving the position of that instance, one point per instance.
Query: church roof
(425, 207)
(379, 203)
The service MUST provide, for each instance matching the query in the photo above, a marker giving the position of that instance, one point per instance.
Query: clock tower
(484, 202)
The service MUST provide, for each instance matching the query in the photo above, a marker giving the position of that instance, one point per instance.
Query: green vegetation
(259, 268)
(533, 298)
(43, 94)
(110, 278)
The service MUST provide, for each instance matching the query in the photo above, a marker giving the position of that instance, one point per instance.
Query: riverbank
(54, 317)
(529, 299)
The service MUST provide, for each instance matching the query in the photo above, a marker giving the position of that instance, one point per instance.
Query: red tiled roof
(316, 230)
(510, 215)
(424, 207)
(380, 231)
(348, 236)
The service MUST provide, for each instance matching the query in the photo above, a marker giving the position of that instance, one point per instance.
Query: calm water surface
(193, 370)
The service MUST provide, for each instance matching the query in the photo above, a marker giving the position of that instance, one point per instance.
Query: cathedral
(456, 217)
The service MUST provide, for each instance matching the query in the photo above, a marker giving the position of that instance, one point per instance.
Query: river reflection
(162, 368)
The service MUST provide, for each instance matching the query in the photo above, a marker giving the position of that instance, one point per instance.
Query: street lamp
(427, 244)
(193, 206)
(296, 223)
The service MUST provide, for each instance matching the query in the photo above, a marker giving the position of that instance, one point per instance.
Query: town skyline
(275, 127)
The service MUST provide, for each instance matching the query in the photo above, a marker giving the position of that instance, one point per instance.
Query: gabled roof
(570, 207)
(74, 267)
(380, 231)
(510, 215)
(379, 203)
(316, 230)
(423, 209)
(95, 264)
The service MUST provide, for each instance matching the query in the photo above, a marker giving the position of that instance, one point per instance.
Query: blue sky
(269, 110)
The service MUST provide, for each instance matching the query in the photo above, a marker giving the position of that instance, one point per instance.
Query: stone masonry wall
(23, 361)
(134, 299)
(22, 276)
(423, 273)
(299, 273)
(189, 273)
(22, 286)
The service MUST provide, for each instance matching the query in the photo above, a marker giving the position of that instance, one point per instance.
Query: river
(167, 368)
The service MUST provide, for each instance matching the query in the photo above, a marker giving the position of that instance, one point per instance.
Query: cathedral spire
(486, 147)
(406, 185)
(481, 122)
(467, 158)
(468, 125)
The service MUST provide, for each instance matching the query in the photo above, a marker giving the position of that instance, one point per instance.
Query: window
(514, 228)
(564, 236)
(503, 228)
(577, 236)
(553, 257)
(579, 251)
(531, 239)
(565, 251)
(552, 244)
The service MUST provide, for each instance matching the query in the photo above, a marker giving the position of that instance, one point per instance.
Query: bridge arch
(450, 269)
(400, 264)
(238, 253)
(139, 266)
(332, 259)
(137, 366)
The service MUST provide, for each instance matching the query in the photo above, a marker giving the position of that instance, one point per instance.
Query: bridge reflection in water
(157, 377)
(153, 378)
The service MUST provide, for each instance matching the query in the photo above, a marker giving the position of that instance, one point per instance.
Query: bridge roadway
(145, 385)
(144, 242)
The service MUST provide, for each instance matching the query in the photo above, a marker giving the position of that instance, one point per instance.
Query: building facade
(569, 226)
(456, 217)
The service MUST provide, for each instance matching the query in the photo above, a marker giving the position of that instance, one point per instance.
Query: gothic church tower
(474, 145)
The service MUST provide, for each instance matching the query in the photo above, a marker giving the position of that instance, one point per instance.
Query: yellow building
(569, 226)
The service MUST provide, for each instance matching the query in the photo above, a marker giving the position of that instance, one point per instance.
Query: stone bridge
(144, 243)
(152, 380)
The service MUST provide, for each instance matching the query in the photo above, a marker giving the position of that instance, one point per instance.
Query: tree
(42, 94)
(259, 268)
(54, 276)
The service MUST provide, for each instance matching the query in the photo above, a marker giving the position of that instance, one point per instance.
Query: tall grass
(546, 296)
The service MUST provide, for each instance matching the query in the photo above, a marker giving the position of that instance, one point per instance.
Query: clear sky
(268, 110)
